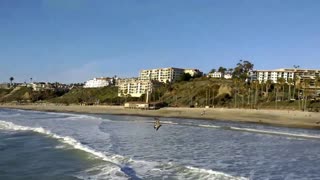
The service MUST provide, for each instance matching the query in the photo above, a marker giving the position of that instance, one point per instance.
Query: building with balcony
(296, 75)
(166, 75)
(135, 87)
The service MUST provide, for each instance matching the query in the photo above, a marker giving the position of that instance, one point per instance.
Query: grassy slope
(16, 95)
(88, 95)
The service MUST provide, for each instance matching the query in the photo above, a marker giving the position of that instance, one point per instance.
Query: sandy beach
(297, 119)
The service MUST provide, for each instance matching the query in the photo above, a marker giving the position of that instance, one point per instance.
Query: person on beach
(157, 124)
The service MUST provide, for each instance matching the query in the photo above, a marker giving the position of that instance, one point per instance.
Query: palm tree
(290, 81)
(236, 83)
(11, 79)
(282, 82)
(252, 99)
(242, 90)
(277, 87)
(306, 85)
(298, 86)
(256, 86)
(268, 85)
(190, 94)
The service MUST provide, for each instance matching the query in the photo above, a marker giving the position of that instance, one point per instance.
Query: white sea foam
(208, 174)
(113, 170)
(101, 172)
(289, 135)
(67, 140)
(169, 122)
(10, 115)
(296, 135)
(80, 116)
(208, 126)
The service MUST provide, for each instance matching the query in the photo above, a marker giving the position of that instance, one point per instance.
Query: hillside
(89, 96)
(198, 92)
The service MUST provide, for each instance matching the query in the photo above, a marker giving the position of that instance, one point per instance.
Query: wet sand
(297, 119)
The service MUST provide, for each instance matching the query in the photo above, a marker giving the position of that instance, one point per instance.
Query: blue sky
(76, 40)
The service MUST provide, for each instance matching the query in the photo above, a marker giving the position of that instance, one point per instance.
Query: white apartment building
(134, 87)
(227, 76)
(215, 75)
(98, 82)
(219, 75)
(274, 75)
(166, 74)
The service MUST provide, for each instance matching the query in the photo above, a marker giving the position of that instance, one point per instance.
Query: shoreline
(283, 118)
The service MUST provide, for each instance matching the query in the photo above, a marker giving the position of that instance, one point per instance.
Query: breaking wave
(122, 167)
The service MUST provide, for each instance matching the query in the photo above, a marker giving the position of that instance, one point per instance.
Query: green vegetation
(190, 91)
(105, 95)
(17, 94)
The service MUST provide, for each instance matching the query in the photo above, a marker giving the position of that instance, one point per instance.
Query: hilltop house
(98, 82)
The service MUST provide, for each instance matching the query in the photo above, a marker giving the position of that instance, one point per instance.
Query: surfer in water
(157, 124)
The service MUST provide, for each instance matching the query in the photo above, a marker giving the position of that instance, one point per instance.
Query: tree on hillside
(11, 79)
(185, 77)
(222, 69)
(242, 69)
(213, 71)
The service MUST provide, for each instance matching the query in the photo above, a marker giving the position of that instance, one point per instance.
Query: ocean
(47, 145)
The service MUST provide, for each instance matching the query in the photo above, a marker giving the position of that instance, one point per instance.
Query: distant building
(166, 74)
(98, 82)
(297, 75)
(273, 75)
(215, 75)
(4, 86)
(135, 87)
(40, 86)
(220, 75)
(227, 76)
(193, 72)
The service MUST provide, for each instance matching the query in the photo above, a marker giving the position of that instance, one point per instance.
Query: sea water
(46, 145)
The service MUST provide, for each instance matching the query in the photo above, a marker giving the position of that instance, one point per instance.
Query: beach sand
(286, 118)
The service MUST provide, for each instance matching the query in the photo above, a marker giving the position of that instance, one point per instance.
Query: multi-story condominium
(273, 75)
(98, 82)
(166, 74)
(297, 75)
(135, 87)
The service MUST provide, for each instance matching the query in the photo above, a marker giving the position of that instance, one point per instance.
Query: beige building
(166, 74)
(134, 87)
